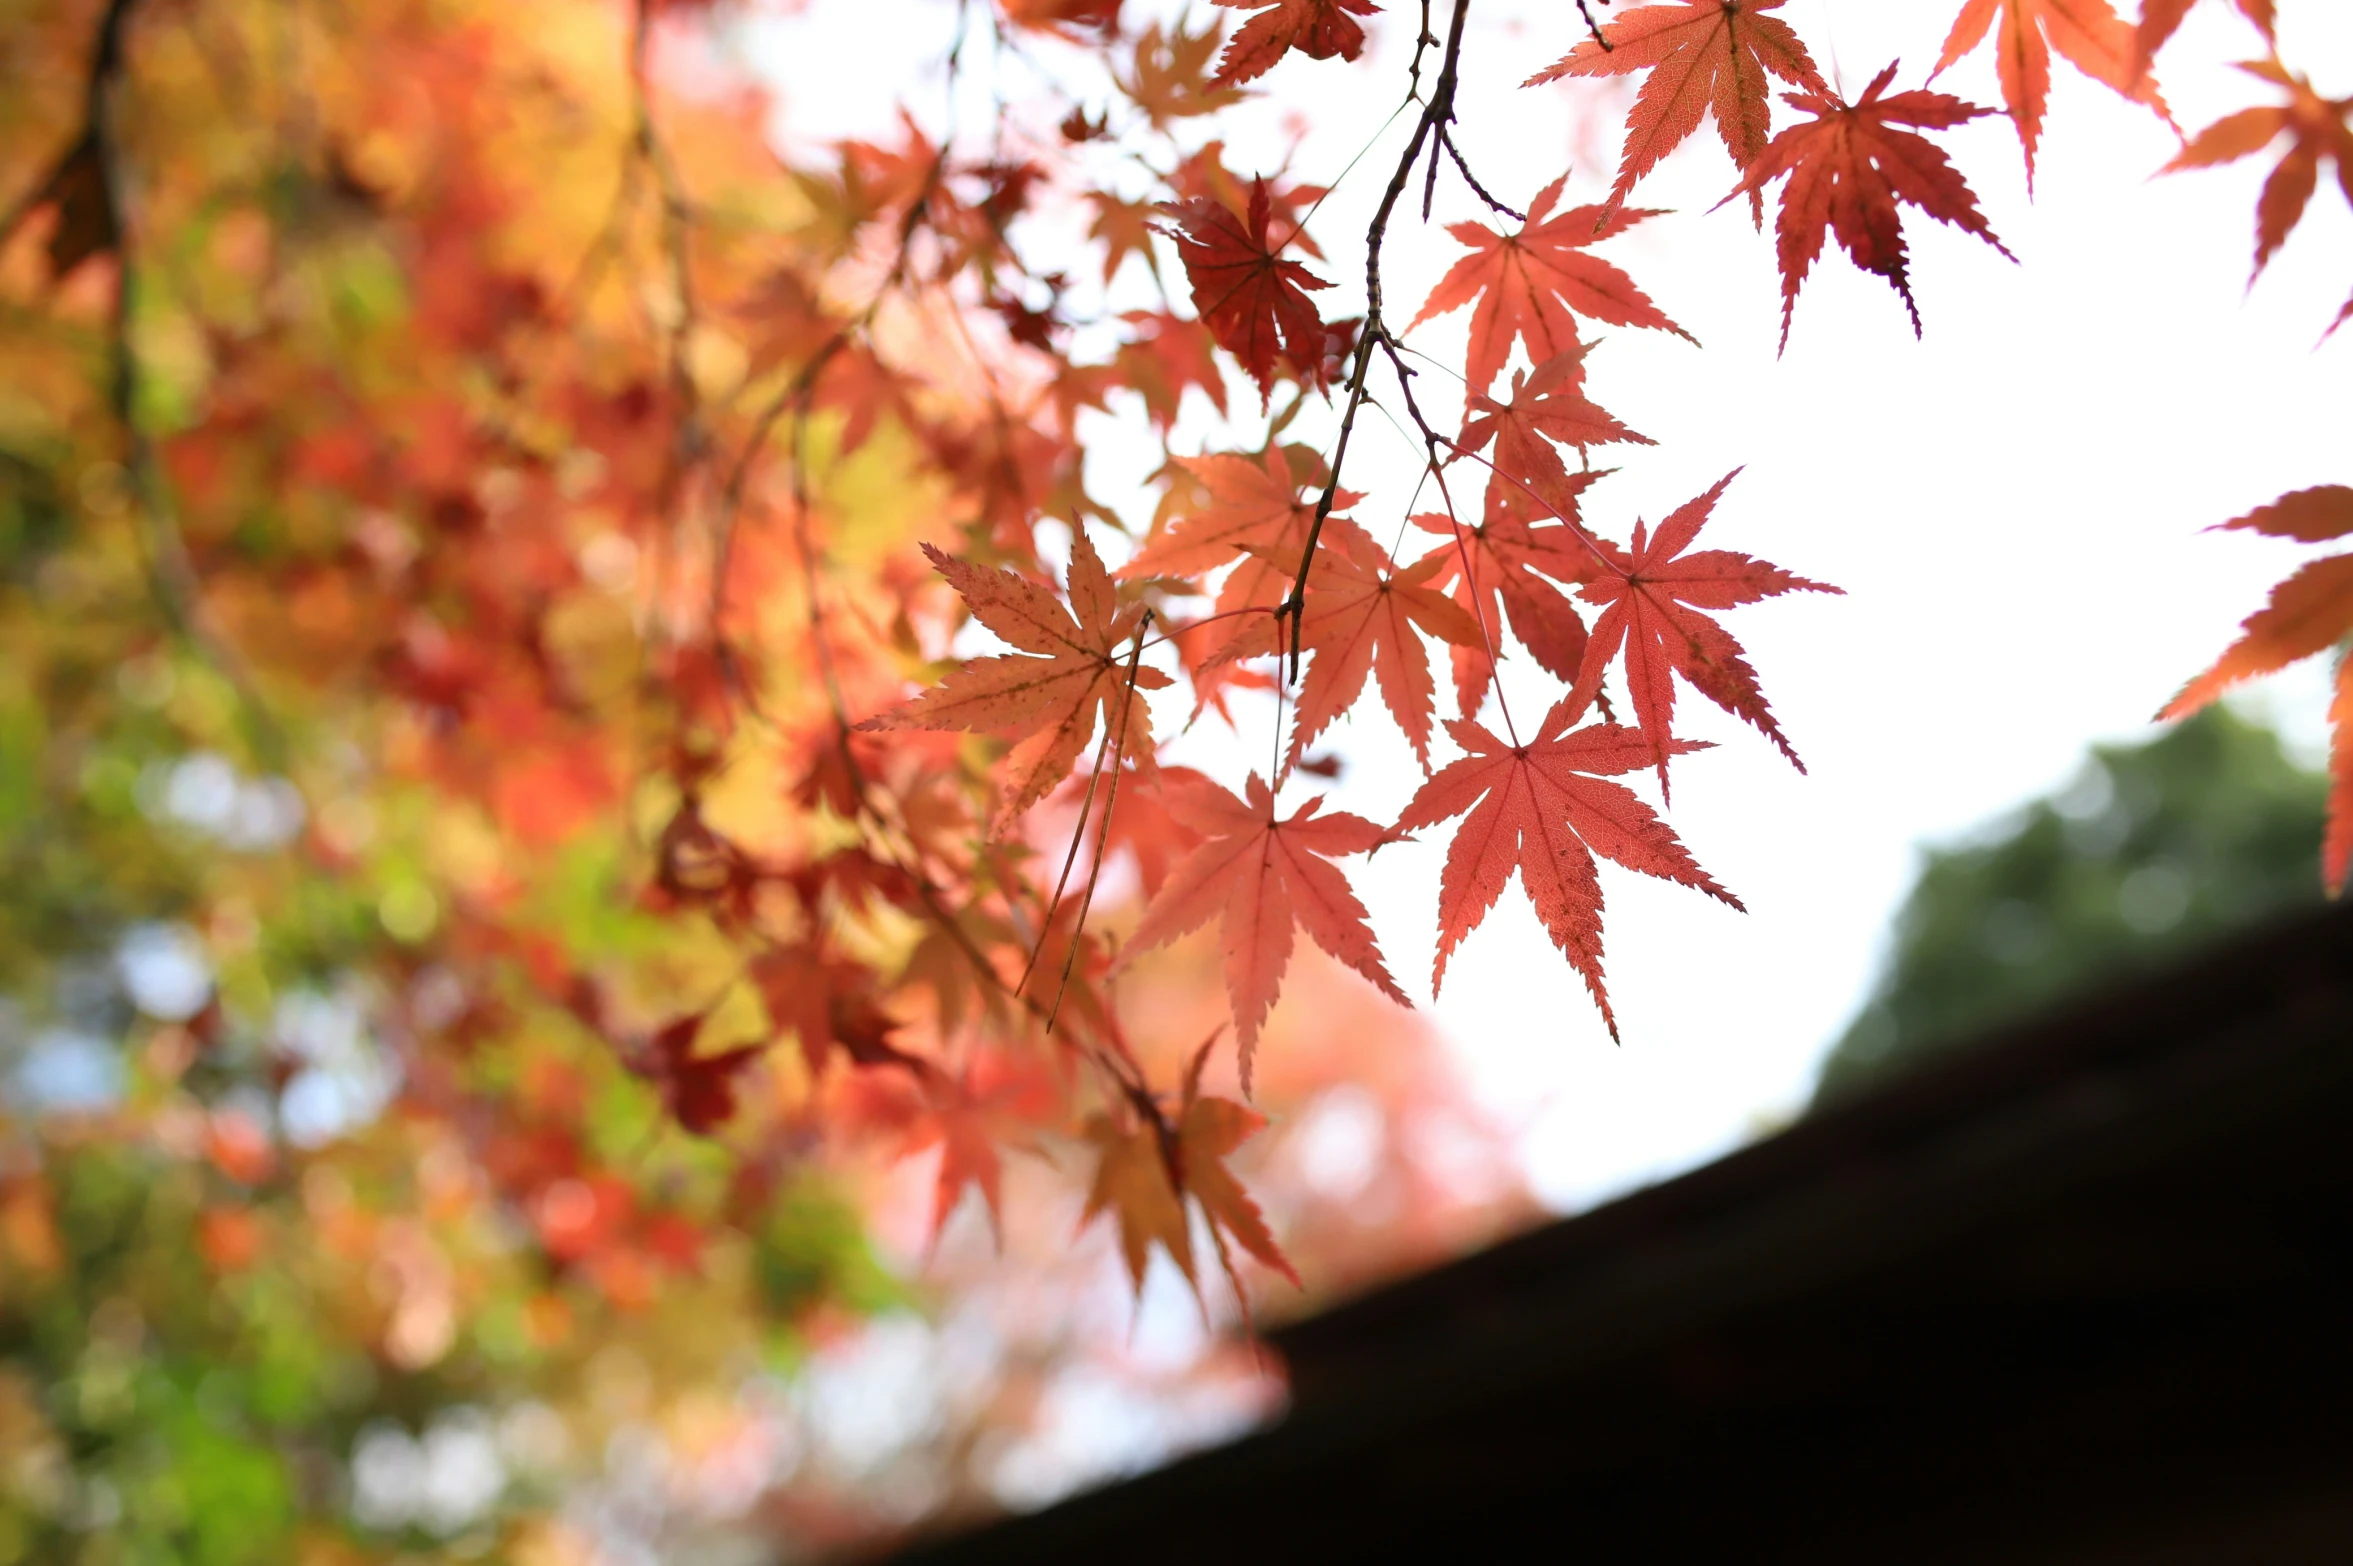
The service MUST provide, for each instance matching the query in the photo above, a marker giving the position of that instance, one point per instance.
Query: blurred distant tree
(2153, 850)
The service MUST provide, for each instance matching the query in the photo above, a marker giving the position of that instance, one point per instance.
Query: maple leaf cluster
(1296, 579)
(589, 519)
(2312, 611)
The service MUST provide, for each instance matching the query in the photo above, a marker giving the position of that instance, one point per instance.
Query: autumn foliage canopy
(644, 592)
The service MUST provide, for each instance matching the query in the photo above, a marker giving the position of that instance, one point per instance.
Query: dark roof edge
(2223, 985)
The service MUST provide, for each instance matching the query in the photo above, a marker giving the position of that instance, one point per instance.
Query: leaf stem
(1103, 833)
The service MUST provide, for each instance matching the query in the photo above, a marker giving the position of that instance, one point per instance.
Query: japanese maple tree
(676, 674)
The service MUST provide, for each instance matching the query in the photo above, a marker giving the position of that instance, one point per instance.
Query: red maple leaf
(829, 1004)
(2088, 32)
(1318, 29)
(1251, 299)
(1363, 616)
(1259, 876)
(2318, 129)
(1050, 700)
(2309, 612)
(699, 1090)
(1653, 600)
(1533, 285)
(1504, 569)
(1545, 809)
(1704, 57)
(1546, 406)
(76, 187)
(1203, 175)
(2311, 516)
(1848, 168)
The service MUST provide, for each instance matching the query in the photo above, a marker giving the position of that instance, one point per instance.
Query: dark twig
(1422, 43)
(1446, 140)
(1375, 329)
(676, 220)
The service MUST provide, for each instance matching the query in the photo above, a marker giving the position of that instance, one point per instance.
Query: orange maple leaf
(1533, 285)
(1259, 877)
(1170, 75)
(1251, 299)
(1146, 1167)
(1125, 229)
(1848, 168)
(1545, 809)
(2308, 613)
(1318, 29)
(1652, 602)
(1364, 616)
(2088, 32)
(1546, 406)
(1050, 700)
(1704, 57)
(1251, 504)
(1213, 1128)
(1250, 512)
(1132, 1184)
(2319, 129)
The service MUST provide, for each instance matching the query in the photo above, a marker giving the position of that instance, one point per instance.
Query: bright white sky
(2013, 506)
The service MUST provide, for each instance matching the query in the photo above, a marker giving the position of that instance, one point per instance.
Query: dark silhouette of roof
(2081, 1294)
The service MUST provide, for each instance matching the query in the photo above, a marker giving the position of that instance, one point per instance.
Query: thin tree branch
(1375, 329)
(1446, 140)
(1585, 10)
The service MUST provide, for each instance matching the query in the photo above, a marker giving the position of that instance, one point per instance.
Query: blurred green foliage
(194, 1367)
(2151, 852)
